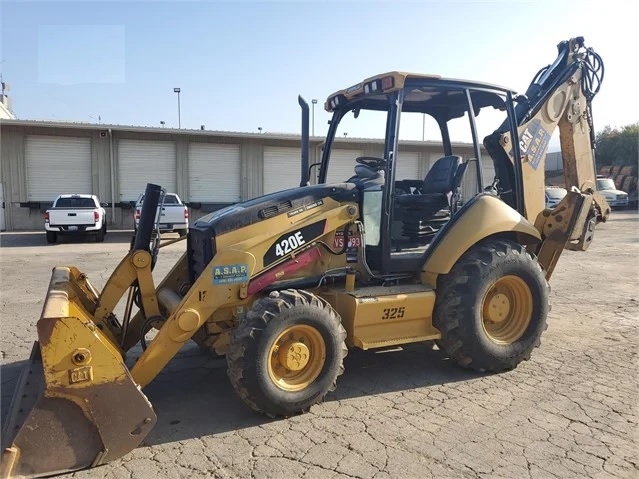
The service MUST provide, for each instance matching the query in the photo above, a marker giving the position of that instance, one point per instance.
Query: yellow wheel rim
(296, 357)
(507, 310)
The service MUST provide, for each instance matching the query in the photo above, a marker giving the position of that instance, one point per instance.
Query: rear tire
(182, 233)
(52, 237)
(99, 236)
(287, 353)
(492, 307)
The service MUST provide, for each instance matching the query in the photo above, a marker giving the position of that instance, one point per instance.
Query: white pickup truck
(75, 215)
(174, 215)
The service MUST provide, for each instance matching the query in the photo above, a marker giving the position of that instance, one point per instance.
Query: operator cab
(408, 198)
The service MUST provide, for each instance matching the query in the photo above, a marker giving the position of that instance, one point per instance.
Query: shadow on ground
(37, 238)
(193, 397)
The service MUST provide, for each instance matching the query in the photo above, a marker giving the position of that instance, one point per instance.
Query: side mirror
(104, 205)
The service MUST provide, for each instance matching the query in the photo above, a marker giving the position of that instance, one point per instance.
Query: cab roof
(427, 95)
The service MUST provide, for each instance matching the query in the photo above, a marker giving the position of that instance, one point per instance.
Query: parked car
(174, 215)
(554, 194)
(75, 214)
(615, 198)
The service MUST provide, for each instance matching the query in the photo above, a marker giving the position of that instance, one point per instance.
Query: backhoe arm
(559, 96)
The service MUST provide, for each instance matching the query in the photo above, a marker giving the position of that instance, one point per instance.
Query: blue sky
(241, 65)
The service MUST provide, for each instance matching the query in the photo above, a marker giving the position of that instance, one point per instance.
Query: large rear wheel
(492, 307)
(286, 353)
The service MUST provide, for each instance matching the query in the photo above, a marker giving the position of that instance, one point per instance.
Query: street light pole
(177, 90)
(313, 115)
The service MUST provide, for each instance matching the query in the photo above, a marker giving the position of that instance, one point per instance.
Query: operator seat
(438, 192)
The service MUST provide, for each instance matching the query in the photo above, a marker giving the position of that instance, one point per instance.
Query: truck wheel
(286, 353)
(52, 237)
(99, 236)
(491, 308)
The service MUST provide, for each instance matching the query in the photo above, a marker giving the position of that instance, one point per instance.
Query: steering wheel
(372, 162)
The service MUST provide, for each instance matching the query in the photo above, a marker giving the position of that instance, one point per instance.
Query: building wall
(23, 215)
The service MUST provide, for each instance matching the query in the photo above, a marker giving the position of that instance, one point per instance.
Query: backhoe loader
(284, 284)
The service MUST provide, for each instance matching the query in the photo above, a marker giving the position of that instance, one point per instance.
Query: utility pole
(423, 126)
(177, 90)
(313, 101)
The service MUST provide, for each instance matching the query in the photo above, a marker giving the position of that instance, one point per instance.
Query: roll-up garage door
(407, 166)
(470, 185)
(57, 165)
(141, 162)
(282, 168)
(488, 169)
(214, 173)
(341, 165)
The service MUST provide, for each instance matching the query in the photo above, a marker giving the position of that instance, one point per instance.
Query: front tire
(286, 353)
(492, 307)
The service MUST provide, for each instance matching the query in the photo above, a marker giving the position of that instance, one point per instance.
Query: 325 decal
(393, 313)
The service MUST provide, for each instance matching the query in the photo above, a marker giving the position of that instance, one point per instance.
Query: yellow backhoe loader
(282, 285)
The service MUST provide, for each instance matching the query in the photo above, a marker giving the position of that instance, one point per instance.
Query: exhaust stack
(305, 142)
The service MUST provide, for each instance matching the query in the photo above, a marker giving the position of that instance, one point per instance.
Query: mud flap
(49, 434)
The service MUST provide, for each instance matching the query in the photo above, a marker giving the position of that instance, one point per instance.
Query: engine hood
(263, 207)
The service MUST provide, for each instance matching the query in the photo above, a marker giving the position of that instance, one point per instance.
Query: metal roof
(209, 133)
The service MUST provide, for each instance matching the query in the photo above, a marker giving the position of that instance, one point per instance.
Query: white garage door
(341, 165)
(214, 173)
(57, 165)
(407, 166)
(469, 187)
(282, 168)
(141, 162)
(488, 169)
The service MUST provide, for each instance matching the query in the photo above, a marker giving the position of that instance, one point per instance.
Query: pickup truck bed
(173, 216)
(75, 214)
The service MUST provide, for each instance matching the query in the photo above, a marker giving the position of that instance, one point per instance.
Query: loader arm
(559, 96)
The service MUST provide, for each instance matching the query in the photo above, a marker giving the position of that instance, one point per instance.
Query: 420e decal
(289, 242)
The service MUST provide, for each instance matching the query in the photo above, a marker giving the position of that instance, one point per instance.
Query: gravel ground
(572, 411)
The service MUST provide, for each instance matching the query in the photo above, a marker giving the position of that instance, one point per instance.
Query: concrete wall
(21, 215)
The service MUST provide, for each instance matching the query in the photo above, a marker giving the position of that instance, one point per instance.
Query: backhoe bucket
(76, 404)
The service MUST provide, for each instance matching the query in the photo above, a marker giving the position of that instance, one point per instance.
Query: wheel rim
(296, 357)
(507, 310)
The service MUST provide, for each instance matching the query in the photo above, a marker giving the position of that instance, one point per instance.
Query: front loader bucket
(76, 405)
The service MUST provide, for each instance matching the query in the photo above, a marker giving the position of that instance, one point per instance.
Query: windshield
(75, 203)
(169, 199)
(605, 184)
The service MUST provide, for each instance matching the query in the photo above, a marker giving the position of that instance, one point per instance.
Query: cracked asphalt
(571, 411)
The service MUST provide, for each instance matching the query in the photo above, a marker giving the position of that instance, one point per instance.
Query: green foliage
(618, 146)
